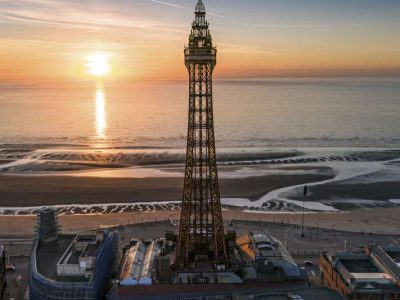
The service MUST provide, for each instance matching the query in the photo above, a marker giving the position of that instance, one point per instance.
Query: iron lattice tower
(201, 235)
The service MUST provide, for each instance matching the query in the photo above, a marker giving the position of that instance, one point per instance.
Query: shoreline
(261, 181)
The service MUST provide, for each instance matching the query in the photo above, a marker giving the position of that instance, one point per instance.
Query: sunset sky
(144, 39)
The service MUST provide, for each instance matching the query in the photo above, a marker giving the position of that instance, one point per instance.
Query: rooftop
(360, 266)
(64, 250)
(394, 253)
(362, 273)
(262, 246)
(262, 249)
(48, 255)
(138, 262)
(388, 258)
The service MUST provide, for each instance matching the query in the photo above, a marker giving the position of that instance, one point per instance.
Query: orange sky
(51, 40)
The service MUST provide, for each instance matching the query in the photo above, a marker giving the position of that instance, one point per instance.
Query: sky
(144, 39)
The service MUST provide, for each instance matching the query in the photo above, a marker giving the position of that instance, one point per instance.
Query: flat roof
(49, 254)
(360, 266)
(91, 250)
(74, 257)
(395, 255)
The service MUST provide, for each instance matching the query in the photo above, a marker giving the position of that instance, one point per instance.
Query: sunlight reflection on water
(101, 121)
(257, 113)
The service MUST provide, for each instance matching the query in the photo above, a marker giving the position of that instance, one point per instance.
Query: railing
(201, 55)
(201, 51)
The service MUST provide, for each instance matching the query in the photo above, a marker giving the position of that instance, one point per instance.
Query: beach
(378, 221)
(349, 189)
(259, 180)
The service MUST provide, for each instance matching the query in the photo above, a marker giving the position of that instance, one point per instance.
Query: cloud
(170, 4)
(59, 14)
(68, 23)
(305, 25)
(76, 15)
(183, 7)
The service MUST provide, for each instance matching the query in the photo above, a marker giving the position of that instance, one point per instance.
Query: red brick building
(361, 276)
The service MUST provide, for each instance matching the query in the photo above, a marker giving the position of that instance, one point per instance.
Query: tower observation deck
(201, 242)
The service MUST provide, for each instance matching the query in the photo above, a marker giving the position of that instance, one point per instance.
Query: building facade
(72, 267)
(360, 276)
(3, 281)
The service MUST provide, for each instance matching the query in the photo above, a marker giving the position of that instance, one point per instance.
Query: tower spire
(200, 8)
(201, 234)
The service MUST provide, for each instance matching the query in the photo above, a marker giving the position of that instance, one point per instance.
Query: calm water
(248, 113)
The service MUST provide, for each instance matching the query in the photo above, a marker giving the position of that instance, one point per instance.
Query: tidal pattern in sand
(339, 179)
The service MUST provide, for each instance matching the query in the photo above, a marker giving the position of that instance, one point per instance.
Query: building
(3, 282)
(264, 258)
(72, 267)
(387, 258)
(147, 270)
(47, 228)
(139, 263)
(295, 294)
(363, 276)
(69, 266)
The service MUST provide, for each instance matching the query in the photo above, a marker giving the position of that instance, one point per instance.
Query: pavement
(315, 239)
(17, 281)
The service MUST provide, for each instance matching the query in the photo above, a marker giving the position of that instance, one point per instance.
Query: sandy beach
(379, 220)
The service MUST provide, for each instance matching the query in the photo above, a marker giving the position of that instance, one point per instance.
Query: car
(294, 297)
(308, 263)
(10, 268)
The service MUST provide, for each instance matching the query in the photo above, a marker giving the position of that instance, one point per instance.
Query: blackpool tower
(201, 241)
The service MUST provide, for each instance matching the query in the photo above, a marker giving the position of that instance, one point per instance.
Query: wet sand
(22, 191)
(381, 191)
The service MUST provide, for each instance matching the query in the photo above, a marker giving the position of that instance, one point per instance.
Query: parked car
(10, 267)
(308, 263)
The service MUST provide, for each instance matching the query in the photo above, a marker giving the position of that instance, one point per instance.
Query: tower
(201, 234)
(47, 229)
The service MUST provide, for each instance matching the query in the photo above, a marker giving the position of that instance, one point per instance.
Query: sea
(281, 112)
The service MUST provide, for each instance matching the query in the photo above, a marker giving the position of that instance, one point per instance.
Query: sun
(98, 64)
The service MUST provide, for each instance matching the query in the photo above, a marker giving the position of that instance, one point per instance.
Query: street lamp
(305, 190)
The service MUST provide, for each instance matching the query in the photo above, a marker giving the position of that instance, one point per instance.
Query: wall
(2, 271)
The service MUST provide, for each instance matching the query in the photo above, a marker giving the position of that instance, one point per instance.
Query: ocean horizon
(249, 113)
